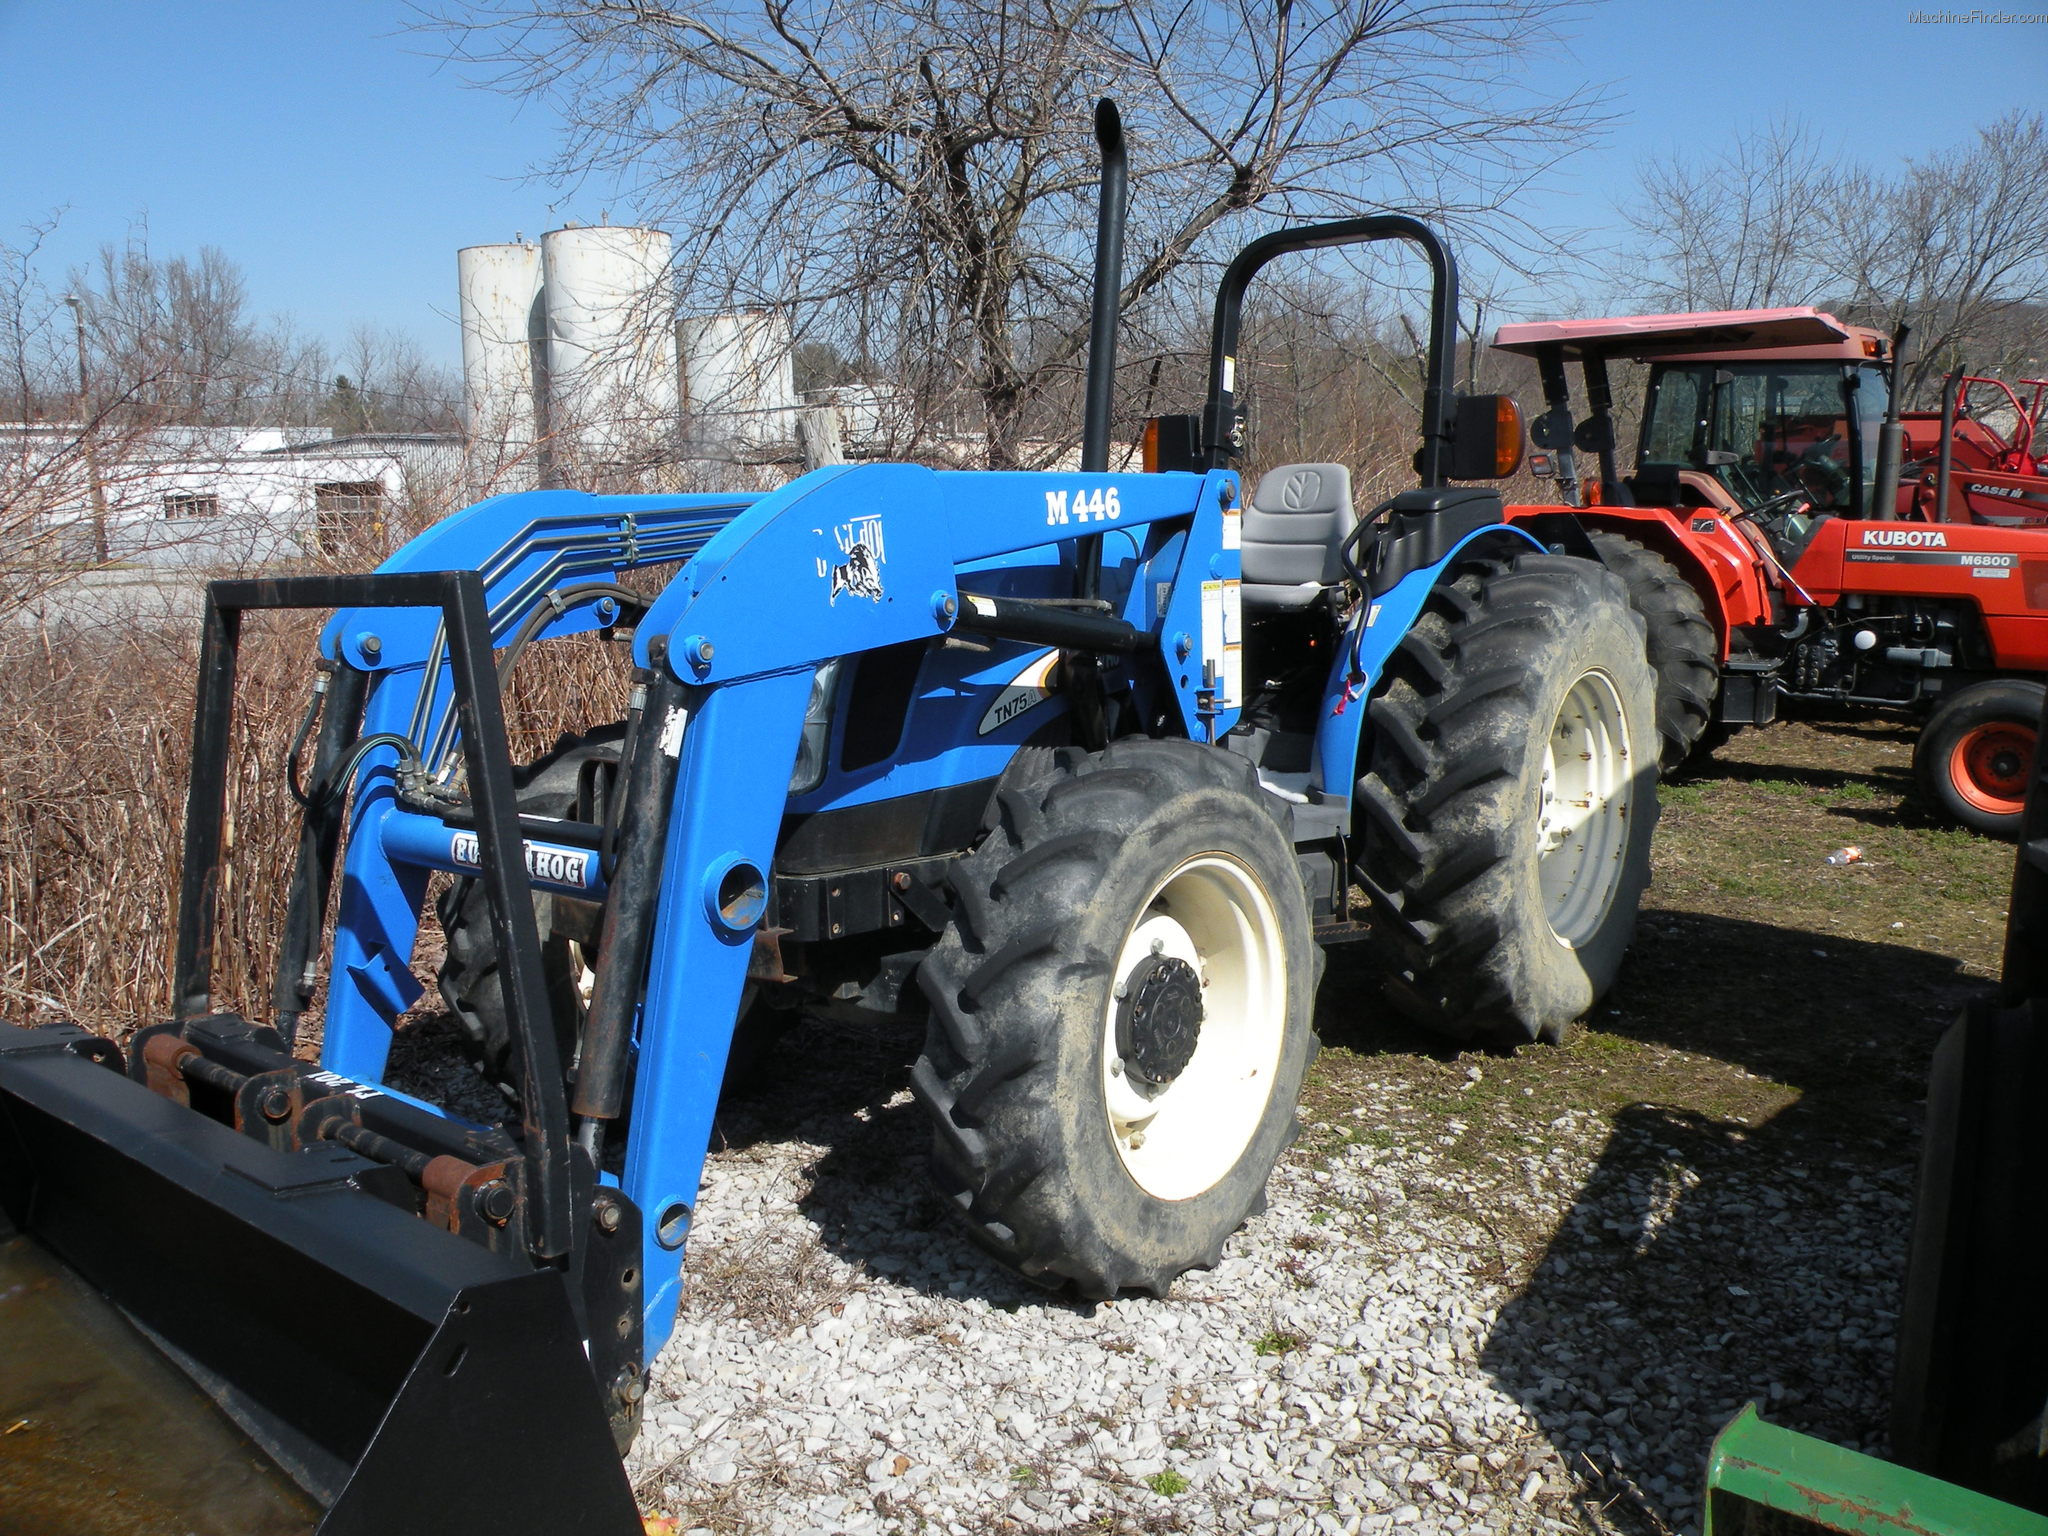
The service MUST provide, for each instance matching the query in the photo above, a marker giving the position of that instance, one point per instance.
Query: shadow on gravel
(1708, 1262)
(843, 1089)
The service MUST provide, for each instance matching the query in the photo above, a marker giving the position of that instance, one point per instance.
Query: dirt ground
(1752, 1088)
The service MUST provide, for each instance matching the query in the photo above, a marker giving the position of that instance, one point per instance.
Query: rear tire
(1109, 1141)
(1976, 751)
(1683, 649)
(1509, 800)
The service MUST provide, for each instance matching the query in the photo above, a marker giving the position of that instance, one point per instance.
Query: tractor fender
(1376, 628)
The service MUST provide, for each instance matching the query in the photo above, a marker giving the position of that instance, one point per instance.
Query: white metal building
(232, 498)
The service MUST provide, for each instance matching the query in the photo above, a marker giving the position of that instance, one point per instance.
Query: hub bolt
(496, 1202)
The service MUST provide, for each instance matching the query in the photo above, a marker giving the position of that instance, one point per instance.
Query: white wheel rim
(1583, 809)
(1179, 1140)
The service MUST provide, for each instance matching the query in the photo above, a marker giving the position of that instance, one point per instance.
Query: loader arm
(842, 562)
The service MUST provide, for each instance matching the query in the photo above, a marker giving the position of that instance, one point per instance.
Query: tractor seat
(1297, 522)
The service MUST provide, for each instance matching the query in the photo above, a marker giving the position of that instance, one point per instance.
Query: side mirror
(1172, 442)
(1486, 438)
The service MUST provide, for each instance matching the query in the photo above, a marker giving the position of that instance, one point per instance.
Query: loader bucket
(204, 1333)
(1767, 1481)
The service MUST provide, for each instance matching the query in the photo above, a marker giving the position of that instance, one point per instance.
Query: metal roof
(1704, 333)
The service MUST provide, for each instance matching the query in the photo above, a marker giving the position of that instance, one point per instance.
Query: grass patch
(1167, 1484)
(1276, 1341)
(1780, 787)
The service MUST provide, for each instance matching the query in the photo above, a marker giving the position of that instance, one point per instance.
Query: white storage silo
(500, 293)
(740, 376)
(613, 394)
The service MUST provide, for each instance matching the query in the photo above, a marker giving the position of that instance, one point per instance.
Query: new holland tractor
(1082, 765)
(1768, 549)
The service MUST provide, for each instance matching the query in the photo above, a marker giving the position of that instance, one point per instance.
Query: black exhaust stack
(1109, 283)
(1944, 473)
(1884, 496)
(1083, 687)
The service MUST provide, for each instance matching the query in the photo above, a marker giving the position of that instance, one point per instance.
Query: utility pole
(100, 550)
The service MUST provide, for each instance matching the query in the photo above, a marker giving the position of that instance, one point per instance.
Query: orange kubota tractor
(1768, 561)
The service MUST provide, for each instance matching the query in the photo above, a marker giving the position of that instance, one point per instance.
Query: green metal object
(1763, 1481)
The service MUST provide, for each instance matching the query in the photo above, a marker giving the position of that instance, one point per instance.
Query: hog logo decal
(859, 573)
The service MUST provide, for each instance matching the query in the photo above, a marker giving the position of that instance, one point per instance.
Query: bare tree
(107, 392)
(913, 178)
(1747, 227)
(1952, 242)
(25, 321)
(1956, 244)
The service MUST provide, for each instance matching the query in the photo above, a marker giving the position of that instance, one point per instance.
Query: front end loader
(1079, 767)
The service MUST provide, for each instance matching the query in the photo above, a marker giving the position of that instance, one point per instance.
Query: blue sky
(328, 153)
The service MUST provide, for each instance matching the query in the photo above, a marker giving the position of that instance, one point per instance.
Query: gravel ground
(1540, 1337)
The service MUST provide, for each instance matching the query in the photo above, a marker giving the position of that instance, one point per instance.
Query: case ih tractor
(1996, 468)
(1768, 564)
(1081, 766)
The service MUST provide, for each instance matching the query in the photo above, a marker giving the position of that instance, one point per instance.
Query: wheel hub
(1583, 803)
(1159, 1019)
(1989, 766)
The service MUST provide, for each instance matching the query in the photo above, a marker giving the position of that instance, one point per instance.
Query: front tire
(1120, 1017)
(1507, 809)
(556, 784)
(1976, 751)
(563, 783)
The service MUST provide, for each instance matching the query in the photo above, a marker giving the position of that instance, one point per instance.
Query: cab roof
(1706, 336)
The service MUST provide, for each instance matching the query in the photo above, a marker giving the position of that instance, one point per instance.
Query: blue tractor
(1082, 766)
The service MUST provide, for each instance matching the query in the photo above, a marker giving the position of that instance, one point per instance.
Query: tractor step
(395, 1375)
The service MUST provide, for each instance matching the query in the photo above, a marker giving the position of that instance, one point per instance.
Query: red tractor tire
(1683, 649)
(1976, 751)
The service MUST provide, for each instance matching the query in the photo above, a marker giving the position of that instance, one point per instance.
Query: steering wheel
(1782, 502)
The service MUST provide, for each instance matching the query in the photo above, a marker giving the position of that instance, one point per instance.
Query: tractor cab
(1772, 413)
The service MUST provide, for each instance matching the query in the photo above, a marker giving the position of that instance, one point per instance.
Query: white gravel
(1373, 1353)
